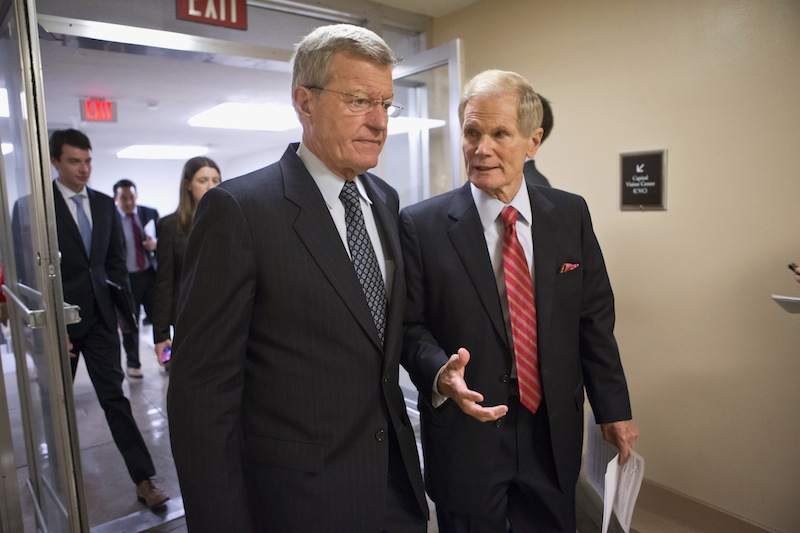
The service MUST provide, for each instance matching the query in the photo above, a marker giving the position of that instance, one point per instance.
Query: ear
(534, 142)
(303, 102)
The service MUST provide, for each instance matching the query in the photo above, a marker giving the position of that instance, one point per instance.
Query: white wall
(712, 362)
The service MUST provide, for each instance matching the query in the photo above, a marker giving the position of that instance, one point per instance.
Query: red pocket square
(566, 267)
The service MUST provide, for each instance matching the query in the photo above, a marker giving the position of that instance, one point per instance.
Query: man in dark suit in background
(284, 405)
(532, 174)
(140, 261)
(502, 417)
(90, 242)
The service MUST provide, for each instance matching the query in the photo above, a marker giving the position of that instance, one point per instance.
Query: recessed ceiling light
(237, 116)
(409, 124)
(161, 151)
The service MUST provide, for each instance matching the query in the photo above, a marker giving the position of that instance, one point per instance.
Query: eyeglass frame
(392, 109)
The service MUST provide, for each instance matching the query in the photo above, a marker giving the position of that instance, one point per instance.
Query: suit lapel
(466, 234)
(65, 219)
(386, 221)
(98, 217)
(545, 254)
(316, 230)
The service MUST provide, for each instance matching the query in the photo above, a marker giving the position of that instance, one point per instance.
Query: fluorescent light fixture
(399, 125)
(7, 148)
(161, 151)
(237, 116)
(4, 111)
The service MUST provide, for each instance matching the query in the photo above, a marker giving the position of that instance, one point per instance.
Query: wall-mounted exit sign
(98, 110)
(228, 13)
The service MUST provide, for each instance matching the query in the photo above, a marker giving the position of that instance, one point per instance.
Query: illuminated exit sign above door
(228, 13)
(98, 110)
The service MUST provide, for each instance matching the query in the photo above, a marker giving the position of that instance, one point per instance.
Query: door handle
(36, 318)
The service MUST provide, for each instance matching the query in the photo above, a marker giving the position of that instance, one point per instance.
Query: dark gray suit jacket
(282, 402)
(453, 302)
(84, 278)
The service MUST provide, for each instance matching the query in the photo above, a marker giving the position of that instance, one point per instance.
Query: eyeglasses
(360, 105)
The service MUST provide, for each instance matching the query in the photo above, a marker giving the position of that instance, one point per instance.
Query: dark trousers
(142, 289)
(100, 350)
(523, 490)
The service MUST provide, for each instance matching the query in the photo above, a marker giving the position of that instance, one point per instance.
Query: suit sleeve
(422, 356)
(603, 375)
(207, 370)
(164, 285)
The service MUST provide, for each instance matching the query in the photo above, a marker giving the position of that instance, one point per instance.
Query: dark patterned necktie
(363, 256)
(522, 310)
(137, 244)
(83, 223)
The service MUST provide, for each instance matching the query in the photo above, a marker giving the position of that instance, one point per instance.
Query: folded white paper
(622, 488)
(150, 228)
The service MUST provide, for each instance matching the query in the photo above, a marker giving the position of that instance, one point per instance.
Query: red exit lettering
(98, 111)
(228, 13)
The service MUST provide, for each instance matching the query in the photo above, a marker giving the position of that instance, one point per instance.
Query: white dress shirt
(73, 209)
(330, 185)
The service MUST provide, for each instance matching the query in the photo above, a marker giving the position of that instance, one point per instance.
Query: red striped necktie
(522, 310)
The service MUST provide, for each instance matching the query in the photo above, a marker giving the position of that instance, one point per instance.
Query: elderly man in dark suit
(140, 261)
(284, 404)
(509, 319)
(90, 242)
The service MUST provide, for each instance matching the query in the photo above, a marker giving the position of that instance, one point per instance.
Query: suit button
(385, 380)
(504, 378)
(498, 423)
(380, 435)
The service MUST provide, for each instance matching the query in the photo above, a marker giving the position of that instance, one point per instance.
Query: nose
(485, 145)
(378, 117)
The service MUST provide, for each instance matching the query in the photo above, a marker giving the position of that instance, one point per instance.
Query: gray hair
(313, 56)
(493, 83)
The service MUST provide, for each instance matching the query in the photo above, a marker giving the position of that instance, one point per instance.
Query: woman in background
(199, 175)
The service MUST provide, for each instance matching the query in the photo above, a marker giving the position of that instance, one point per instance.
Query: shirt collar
(329, 184)
(69, 193)
(489, 207)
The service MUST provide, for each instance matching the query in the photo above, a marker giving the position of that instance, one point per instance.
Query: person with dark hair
(529, 170)
(200, 174)
(140, 260)
(92, 252)
(285, 409)
(509, 322)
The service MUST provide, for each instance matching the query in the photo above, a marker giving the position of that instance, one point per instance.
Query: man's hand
(70, 347)
(451, 383)
(150, 244)
(623, 435)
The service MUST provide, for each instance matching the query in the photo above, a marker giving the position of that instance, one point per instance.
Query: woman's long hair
(187, 205)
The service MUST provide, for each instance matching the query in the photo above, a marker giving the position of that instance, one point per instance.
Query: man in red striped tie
(138, 229)
(509, 319)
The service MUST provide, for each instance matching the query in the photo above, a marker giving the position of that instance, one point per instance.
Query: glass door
(422, 156)
(33, 290)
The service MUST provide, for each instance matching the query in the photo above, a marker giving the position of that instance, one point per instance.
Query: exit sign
(98, 111)
(228, 13)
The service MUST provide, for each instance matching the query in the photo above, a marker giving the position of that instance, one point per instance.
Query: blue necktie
(83, 223)
(363, 255)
